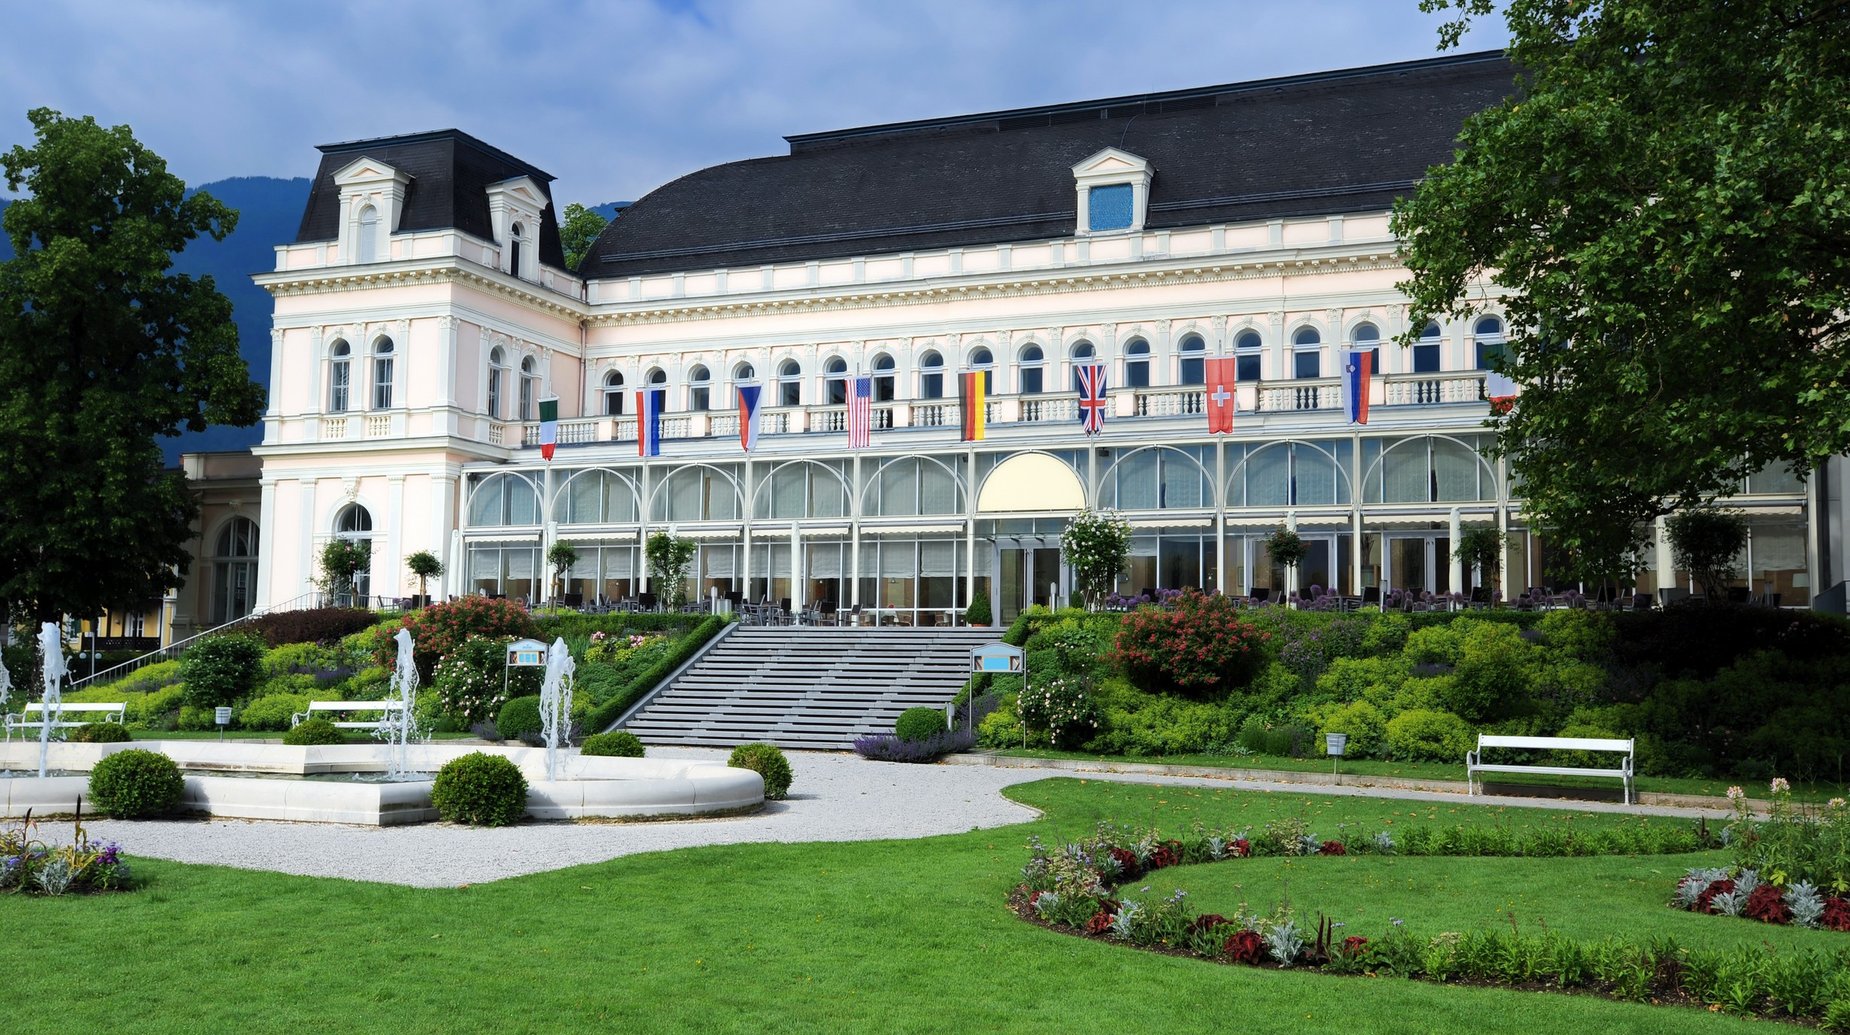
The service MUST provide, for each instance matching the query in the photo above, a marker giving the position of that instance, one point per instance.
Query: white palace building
(424, 311)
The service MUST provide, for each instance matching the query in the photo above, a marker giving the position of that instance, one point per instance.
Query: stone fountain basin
(589, 786)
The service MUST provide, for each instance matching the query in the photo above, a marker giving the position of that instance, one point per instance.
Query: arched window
(884, 389)
(980, 359)
(515, 233)
(790, 383)
(382, 374)
(1194, 354)
(368, 239)
(835, 381)
(658, 376)
(931, 376)
(699, 393)
(1248, 357)
(234, 571)
(743, 372)
(1032, 371)
(355, 524)
(529, 389)
(1081, 354)
(1489, 335)
(1137, 364)
(613, 394)
(1367, 336)
(340, 376)
(497, 372)
(1426, 352)
(1307, 353)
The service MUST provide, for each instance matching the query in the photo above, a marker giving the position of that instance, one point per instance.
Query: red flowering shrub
(1836, 913)
(441, 628)
(1766, 904)
(1100, 922)
(1332, 848)
(1241, 848)
(1127, 863)
(1199, 646)
(1705, 902)
(1245, 947)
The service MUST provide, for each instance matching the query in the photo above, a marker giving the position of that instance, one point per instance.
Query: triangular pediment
(523, 190)
(366, 169)
(1109, 161)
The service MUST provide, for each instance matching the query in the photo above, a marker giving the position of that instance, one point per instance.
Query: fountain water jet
(51, 710)
(556, 703)
(399, 732)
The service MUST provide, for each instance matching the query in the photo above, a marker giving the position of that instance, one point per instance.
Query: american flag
(1091, 397)
(861, 414)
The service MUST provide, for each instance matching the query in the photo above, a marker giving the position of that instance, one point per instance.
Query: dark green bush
(100, 733)
(919, 723)
(519, 717)
(767, 761)
(220, 669)
(135, 783)
(615, 744)
(310, 732)
(481, 790)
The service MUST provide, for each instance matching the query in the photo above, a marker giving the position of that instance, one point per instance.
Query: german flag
(971, 395)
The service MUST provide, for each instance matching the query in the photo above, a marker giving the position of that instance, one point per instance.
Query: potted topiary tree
(1287, 549)
(669, 557)
(978, 611)
(561, 556)
(1481, 546)
(342, 560)
(425, 566)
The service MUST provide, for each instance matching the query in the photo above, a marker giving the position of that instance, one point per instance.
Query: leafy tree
(578, 232)
(1705, 542)
(1098, 547)
(1286, 548)
(1661, 208)
(102, 350)
(425, 566)
(561, 556)
(668, 558)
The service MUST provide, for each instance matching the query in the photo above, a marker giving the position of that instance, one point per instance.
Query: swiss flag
(1222, 376)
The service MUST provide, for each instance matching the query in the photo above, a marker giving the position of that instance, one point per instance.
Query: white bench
(21, 720)
(1474, 767)
(350, 708)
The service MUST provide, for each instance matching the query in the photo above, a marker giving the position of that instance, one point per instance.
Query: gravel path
(836, 798)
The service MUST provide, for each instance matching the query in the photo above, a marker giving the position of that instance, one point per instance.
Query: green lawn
(1452, 771)
(884, 936)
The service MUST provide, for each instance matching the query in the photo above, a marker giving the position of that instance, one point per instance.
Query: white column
(796, 566)
(1291, 573)
(1666, 564)
(266, 544)
(1458, 568)
(1220, 518)
(745, 533)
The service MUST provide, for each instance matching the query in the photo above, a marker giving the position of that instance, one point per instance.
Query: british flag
(1091, 397)
(861, 413)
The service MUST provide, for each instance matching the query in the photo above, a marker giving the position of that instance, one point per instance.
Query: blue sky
(615, 98)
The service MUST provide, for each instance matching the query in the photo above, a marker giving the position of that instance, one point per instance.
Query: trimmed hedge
(135, 783)
(220, 669)
(919, 724)
(311, 732)
(612, 710)
(312, 625)
(100, 733)
(767, 761)
(615, 744)
(519, 717)
(481, 790)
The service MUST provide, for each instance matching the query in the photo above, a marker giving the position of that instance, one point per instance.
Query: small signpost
(998, 659)
(222, 716)
(522, 654)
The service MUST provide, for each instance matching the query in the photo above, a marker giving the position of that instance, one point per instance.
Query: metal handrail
(174, 649)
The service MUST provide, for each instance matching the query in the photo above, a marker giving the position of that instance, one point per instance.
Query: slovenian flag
(549, 426)
(649, 405)
(970, 397)
(1358, 367)
(749, 396)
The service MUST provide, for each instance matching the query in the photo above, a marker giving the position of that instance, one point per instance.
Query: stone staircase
(800, 687)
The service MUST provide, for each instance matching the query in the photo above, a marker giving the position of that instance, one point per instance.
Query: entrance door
(1422, 562)
(1027, 575)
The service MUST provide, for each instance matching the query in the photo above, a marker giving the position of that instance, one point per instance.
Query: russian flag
(748, 415)
(649, 404)
(1358, 367)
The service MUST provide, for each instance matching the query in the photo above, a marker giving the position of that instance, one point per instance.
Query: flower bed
(886, 747)
(1076, 890)
(30, 866)
(1791, 868)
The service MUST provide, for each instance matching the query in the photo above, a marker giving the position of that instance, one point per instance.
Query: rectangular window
(1488, 354)
(1426, 359)
(1109, 208)
(382, 383)
(1308, 363)
(1247, 368)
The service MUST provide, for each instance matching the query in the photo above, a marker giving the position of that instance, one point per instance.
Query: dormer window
(1114, 192)
(514, 208)
(513, 248)
(372, 197)
(368, 239)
